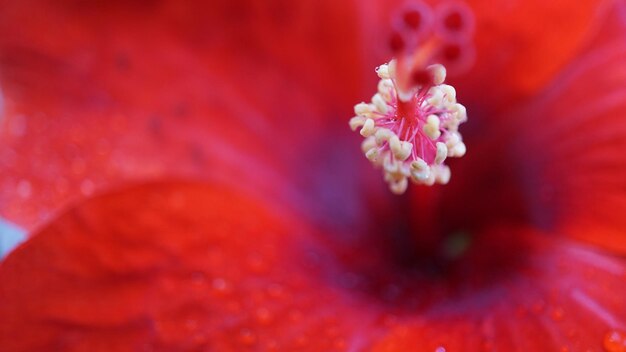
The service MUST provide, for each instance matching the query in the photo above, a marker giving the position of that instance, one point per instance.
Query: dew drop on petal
(615, 341)
(220, 285)
(247, 337)
(263, 316)
(340, 344)
(18, 125)
(557, 314)
(87, 187)
(24, 189)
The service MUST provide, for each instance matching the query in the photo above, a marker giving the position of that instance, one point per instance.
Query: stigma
(411, 125)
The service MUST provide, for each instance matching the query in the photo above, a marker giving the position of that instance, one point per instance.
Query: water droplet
(18, 125)
(340, 344)
(220, 285)
(247, 337)
(263, 316)
(87, 187)
(557, 314)
(24, 189)
(440, 349)
(615, 341)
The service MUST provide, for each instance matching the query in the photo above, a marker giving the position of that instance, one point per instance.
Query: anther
(442, 153)
(431, 128)
(383, 71)
(363, 109)
(438, 73)
(411, 139)
(383, 135)
(385, 89)
(372, 155)
(380, 103)
(419, 170)
(368, 128)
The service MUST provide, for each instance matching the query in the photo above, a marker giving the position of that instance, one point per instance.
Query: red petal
(568, 298)
(522, 45)
(161, 267)
(116, 91)
(574, 139)
(176, 266)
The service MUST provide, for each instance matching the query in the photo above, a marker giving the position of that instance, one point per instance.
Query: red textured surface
(289, 240)
(186, 267)
(208, 92)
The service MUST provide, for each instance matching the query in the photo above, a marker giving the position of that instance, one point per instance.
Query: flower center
(411, 124)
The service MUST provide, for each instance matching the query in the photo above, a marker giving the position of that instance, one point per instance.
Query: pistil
(411, 124)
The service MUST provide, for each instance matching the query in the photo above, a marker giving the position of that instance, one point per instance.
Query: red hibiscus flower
(189, 182)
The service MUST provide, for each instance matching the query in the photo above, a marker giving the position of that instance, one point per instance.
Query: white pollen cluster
(409, 134)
